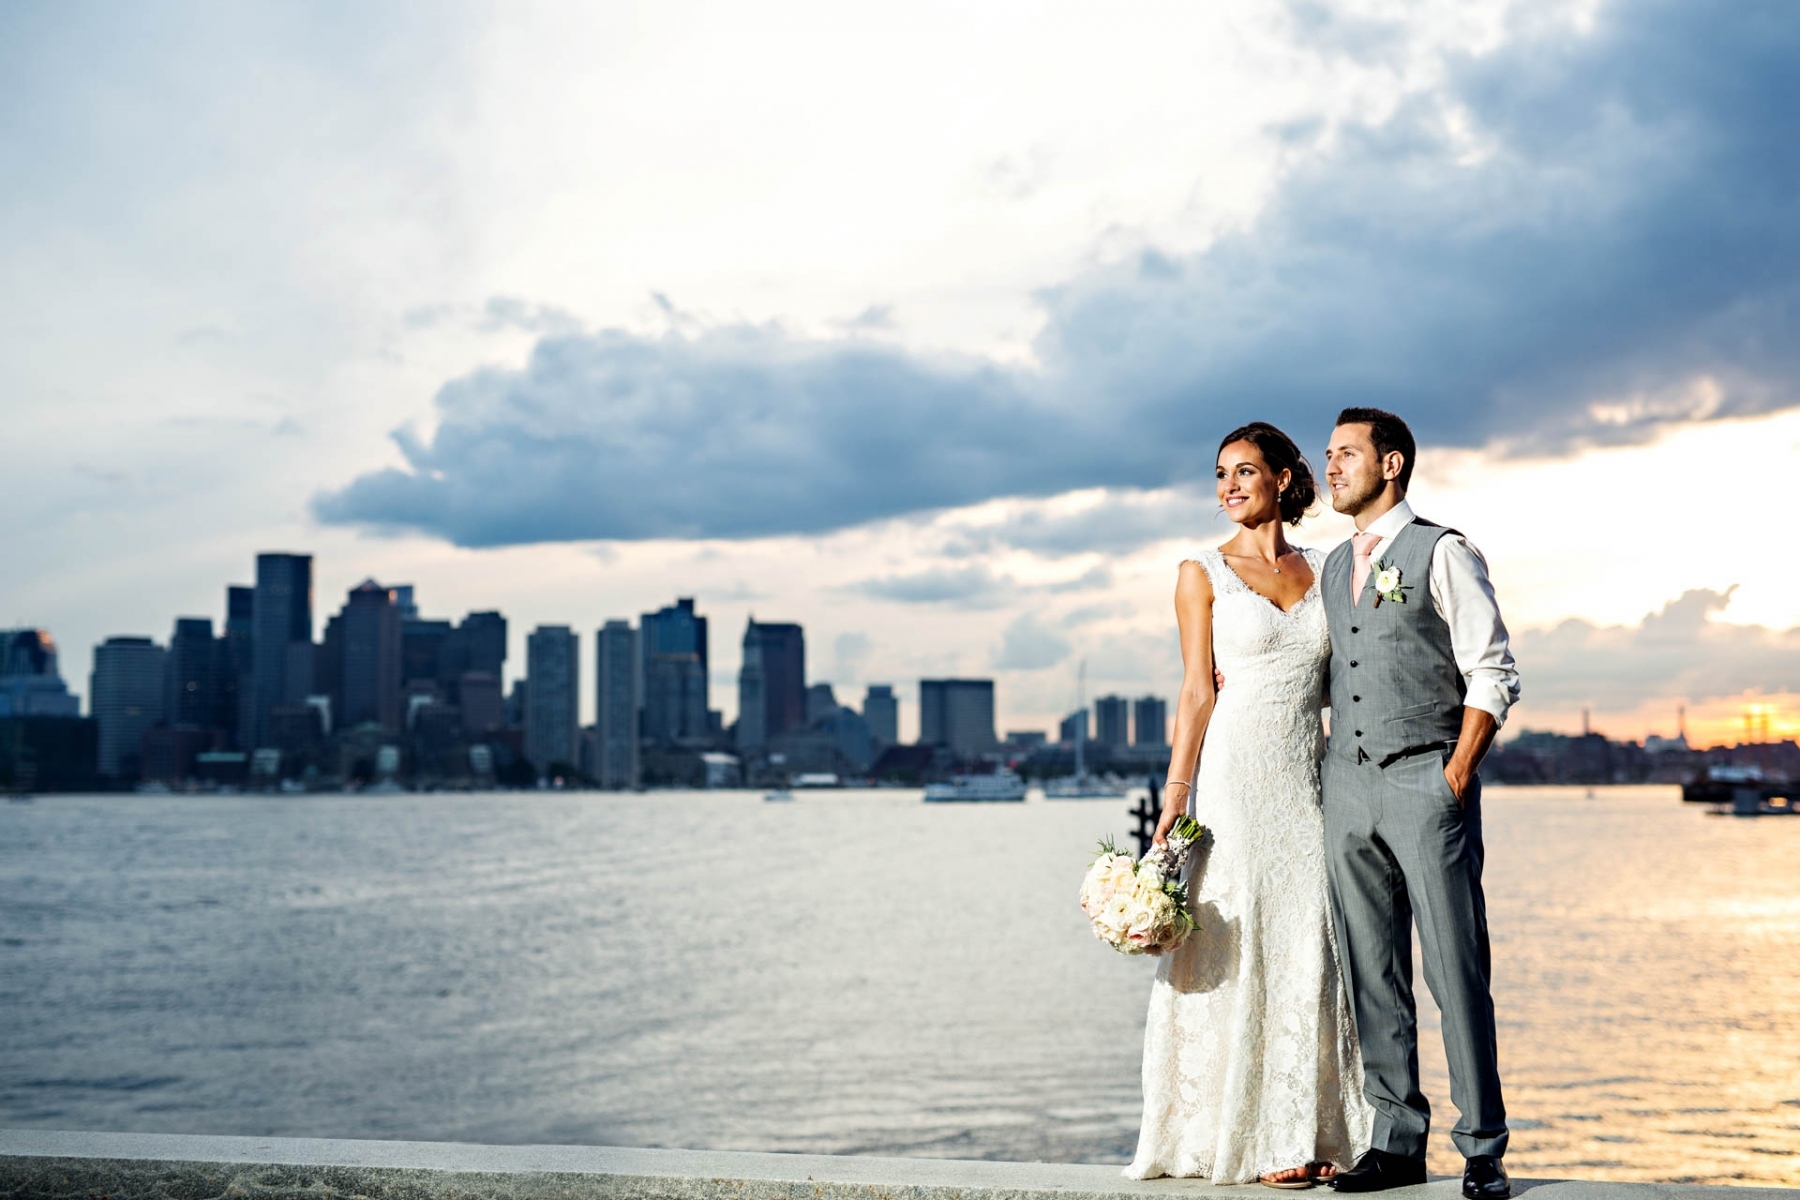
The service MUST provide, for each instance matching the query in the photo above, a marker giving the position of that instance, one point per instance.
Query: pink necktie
(1362, 545)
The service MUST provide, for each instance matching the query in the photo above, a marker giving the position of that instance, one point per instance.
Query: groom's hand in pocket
(1458, 781)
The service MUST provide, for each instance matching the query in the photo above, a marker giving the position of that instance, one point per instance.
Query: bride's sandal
(1293, 1179)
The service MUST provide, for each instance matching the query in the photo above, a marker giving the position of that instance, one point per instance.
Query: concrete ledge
(62, 1166)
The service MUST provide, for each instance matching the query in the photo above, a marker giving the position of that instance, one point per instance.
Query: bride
(1251, 1069)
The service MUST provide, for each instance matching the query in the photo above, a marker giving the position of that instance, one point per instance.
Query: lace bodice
(1250, 1061)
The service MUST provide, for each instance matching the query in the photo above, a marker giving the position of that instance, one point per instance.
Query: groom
(1421, 678)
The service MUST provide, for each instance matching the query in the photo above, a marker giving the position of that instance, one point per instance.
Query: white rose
(1387, 580)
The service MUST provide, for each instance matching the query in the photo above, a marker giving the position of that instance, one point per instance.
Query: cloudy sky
(918, 323)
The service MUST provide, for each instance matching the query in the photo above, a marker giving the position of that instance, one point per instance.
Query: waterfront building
(30, 684)
(1112, 721)
(193, 669)
(47, 753)
(282, 649)
(821, 702)
(673, 645)
(552, 696)
(1073, 728)
(126, 694)
(235, 686)
(1025, 739)
(1149, 721)
(481, 703)
(422, 649)
(771, 685)
(882, 711)
(616, 703)
(958, 713)
(365, 655)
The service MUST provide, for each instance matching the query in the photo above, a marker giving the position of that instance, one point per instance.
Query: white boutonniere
(1388, 585)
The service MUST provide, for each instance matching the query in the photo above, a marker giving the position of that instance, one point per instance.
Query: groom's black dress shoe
(1485, 1179)
(1377, 1171)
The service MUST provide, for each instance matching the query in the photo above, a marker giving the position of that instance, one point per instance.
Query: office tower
(422, 650)
(882, 711)
(771, 684)
(30, 684)
(482, 704)
(1150, 722)
(235, 686)
(673, 644)
(958, 713)
(1112, 721)
(126, 694)
(364, 651)
(616, 705)
(193, 662)
(1073, 728)
(403, 600)
(281, 650)
(821, 702)
(552, 679)
(478, 644)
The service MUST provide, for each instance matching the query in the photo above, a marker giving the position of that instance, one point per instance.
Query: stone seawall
(127, 1166)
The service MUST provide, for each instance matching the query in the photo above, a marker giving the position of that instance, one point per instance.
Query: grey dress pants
(1399, 848)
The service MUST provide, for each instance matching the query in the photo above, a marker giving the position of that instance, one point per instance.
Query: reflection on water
(850, 973)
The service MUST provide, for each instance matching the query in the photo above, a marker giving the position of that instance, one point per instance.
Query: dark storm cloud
(1606, 248)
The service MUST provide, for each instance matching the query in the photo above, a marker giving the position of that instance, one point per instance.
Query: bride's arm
(1193, 708)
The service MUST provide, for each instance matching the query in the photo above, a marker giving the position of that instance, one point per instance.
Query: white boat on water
(1001, 786)
(1085, 787)
(1081, 785)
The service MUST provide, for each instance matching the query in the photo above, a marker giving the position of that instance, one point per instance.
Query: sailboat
(1081, 785)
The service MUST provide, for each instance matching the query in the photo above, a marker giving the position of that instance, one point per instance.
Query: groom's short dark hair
(1389, 433)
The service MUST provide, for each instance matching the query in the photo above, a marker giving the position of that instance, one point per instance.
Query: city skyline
(953, 411)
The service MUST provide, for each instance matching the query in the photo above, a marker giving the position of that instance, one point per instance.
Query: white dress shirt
(1463, 596)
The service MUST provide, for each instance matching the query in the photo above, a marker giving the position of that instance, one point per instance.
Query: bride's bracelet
(1175, 783)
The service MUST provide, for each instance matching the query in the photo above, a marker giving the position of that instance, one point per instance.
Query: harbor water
(852, 972)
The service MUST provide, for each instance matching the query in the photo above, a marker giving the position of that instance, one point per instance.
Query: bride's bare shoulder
(1193, 582)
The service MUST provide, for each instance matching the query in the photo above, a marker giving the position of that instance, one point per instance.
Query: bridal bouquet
(1141, 907)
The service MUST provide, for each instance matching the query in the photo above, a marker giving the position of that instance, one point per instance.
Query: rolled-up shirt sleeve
(1464, 597)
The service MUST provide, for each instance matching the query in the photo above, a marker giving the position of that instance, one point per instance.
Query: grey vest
(1394, 679)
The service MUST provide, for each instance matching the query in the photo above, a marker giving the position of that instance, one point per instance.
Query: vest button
(1356, 699)
(1359, 733)
(1353, 662)
(1354, 629)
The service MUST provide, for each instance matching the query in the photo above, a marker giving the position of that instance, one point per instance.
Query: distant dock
(127, 1166)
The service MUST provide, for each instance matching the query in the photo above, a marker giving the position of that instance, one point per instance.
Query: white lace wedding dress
(1250, 1057)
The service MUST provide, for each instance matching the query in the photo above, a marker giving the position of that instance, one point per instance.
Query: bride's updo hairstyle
(1279, 451)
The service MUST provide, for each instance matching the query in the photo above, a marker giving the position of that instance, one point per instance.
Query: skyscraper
(236, 687)
(616, 705)
(882, 711)
(958, 713)
(673, 644)
(1111, 721)
(771, 684)
(193, 674)
(478, 644)
(1150, 722)
(126, 695)
(1073, 728)
(368, 638)
(282, 651)
(30, 684)
(552, 696)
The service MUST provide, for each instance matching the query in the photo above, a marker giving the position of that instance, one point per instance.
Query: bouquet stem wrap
(1141, 907)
